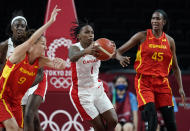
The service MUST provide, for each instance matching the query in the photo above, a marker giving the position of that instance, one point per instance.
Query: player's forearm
(117, 55)
(135, 120)
(177, 74)
(39, 32)
(77, 55)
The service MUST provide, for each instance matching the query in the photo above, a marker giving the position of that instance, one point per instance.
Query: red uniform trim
(74, 94)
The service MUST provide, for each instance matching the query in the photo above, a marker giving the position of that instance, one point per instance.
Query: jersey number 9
(21, 80)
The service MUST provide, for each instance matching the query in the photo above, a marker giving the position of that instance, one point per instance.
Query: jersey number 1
(92, 70)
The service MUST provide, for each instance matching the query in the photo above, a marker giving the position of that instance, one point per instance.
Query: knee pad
(150, 110)
(171, 126)
(169, 118)
(151, 116)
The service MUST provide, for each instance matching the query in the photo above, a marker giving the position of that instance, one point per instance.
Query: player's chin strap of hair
(18, 17)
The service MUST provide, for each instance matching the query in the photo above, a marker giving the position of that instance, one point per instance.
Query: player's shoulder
(170, 39)
(3, 43)
(141, 34)
(76, 44)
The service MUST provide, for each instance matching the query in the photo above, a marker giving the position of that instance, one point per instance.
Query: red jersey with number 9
(16, 79)
(154, 56)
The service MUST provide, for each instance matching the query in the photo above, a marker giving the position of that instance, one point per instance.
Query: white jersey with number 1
(87, 92)
(86, 69)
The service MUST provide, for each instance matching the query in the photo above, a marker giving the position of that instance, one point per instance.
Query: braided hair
(77, 26)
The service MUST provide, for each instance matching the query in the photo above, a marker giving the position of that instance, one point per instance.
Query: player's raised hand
(59, 63)
(54, 14)
(92, 49)
(124, 60)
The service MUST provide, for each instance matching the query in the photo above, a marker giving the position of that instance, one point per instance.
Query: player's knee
(118, 127)
(111, 123)
(151, 116)
(171, 125)
(128, 127)
(37, 120)
(29, 116)
(150, 110)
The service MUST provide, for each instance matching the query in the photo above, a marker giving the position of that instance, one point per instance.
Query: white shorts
(90, 102)
(39, 89)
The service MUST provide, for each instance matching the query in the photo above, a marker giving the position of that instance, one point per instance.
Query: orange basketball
(106, 49)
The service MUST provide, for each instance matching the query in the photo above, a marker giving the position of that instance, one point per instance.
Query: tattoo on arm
(75, 54)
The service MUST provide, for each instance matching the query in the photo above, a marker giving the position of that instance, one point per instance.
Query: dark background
(117, 20)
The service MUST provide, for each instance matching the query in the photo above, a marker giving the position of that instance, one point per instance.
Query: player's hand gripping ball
(106, 49)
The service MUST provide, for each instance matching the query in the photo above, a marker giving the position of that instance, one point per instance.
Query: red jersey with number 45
(16, 79)
(154, 56)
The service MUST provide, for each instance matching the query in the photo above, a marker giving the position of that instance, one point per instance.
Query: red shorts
(8, 111)
(153, 89)
(39, 89)
(42, 87)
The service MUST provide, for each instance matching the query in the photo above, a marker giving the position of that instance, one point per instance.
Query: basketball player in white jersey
(87, 93)
(35, 95)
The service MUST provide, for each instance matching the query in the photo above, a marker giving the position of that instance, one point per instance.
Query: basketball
(106, 49)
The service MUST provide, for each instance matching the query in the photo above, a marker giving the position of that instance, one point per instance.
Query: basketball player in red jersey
(18, 32)
(19, 73)
(156, 55)
(87, 92)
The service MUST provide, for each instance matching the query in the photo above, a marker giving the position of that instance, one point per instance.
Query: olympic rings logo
(66, 126)
(60, 82)
(58, 43)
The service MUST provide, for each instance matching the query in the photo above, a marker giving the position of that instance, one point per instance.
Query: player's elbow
(176, 69)
(73, 59)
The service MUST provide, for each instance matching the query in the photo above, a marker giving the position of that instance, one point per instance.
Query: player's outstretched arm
(176, 70)
(75, 53)
(134, 40)
(56, 63)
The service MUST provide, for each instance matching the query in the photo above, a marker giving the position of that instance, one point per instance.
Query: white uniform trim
(87, 69)
(10, 48)
(44, 96)
(32, 90)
